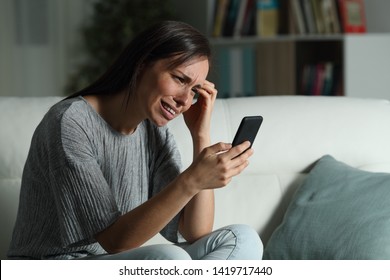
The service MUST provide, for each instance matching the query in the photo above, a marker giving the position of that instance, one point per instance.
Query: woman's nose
(183, 98)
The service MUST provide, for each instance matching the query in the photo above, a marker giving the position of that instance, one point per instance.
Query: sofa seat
(296, 132)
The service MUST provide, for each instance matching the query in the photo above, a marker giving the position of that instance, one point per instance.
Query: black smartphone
(247, 130)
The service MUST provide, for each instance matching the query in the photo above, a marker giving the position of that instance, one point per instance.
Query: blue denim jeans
(234, 242)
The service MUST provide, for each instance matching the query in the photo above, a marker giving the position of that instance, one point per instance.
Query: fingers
(236, 154)
(218, 164)
(230, 161)
(239, 150)
(238, 157)
(218, 148)
(208, 91)
(228, 168)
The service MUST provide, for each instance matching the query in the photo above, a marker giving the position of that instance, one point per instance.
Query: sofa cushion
(18, 119)
(9, 202)
(339, 212)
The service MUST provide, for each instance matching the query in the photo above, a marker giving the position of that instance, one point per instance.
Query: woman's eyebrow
(196, 87)
(189, 80)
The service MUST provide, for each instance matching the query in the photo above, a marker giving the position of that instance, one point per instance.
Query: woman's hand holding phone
(217, 165)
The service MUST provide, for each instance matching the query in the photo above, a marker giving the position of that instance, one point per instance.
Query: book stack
(237, 18)
(321, 79)
(235, 69)
(328, 16)
(315, 16)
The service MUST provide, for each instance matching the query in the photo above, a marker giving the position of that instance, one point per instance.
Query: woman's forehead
(193, 68)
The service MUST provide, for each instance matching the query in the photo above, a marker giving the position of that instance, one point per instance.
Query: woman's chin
(160, 122)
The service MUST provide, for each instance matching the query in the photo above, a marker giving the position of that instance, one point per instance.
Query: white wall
(39, 40)
(377, 15)
(367, 63)
(32, 69)
(365, 55)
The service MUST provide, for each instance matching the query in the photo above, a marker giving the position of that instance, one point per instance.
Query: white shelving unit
(363, 60)
(367, 64)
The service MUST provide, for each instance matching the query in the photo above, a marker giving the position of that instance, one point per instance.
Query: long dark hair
(162, 40)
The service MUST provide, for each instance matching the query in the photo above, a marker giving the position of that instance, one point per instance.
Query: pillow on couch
(339, 212)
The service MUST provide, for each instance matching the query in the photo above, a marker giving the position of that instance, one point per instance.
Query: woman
(103, 172)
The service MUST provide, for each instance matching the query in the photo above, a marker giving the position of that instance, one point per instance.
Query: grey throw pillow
(339, 212)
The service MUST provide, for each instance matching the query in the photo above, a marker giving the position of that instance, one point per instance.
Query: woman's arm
(197, 218)
(213, 168)
(191, 192)
(134, 228)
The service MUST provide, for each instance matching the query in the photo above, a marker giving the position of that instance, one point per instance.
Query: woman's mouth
(170, 112)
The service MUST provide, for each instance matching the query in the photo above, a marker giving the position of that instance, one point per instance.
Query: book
(222, 66)
(352, 15)
(335, 17)
(330, 16)
(236, 68)
(240, 18)
(267, 21)
(319, 21)
(309, 16)
(328, 79)
(319, 79)
(312, 79)
(231, 18)
(249, 70)
(310, 76)
(220, 15)
(248, 25)
(304, 79)
(297, 14)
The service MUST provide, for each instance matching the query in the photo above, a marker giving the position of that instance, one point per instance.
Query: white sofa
(296, 132)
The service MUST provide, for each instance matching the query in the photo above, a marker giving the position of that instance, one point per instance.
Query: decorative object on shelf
(111, 26)
(353, 17)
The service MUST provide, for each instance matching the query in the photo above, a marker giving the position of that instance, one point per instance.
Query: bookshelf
(292, 61)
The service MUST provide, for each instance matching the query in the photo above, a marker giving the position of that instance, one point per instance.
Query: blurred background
(54, 47)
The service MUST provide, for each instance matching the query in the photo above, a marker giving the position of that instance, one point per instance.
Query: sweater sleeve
(165, 168)
(85, 204)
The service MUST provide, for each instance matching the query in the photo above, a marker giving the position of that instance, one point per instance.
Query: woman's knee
(248, 240)
(168, 252)
(151, 252)
(242, 230)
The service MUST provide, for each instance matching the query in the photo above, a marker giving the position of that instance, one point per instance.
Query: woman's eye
(180, 79)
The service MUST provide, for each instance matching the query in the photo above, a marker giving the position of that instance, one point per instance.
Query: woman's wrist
(188, 183)
(201, 140)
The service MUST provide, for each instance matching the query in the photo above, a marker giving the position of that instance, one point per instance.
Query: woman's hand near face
(198, 116)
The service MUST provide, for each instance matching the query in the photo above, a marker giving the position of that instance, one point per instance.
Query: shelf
(278, 64)
(251, 40)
